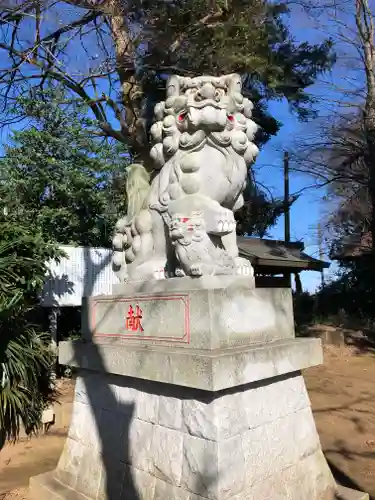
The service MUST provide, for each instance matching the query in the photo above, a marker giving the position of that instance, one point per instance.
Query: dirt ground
(342, 393)
(29, 457)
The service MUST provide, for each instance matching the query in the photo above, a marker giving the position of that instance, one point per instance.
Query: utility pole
(286, 209)
(321, 252)
(286, 198)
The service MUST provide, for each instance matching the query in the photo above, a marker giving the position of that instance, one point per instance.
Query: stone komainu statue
(182, 223)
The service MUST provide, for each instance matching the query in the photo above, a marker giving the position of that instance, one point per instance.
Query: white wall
(85, 271)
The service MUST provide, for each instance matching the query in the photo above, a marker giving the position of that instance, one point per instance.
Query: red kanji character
(133, 320)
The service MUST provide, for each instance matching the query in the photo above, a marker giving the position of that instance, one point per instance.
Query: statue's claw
(159, 274)
(221, 223)
(180, 273)
(244, 267)
(196, 270)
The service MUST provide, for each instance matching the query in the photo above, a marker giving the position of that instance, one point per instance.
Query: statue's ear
(234, 92)
(173, 86)
(234, 84)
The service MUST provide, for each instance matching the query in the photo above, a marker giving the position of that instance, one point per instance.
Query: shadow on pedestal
(112, 482)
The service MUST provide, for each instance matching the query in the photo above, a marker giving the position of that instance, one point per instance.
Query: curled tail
(137, 190)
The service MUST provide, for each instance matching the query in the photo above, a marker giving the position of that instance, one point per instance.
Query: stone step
(349, 494)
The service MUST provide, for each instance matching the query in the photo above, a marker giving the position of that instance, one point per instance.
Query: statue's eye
(181, 117)
(218, 95)
(231, 118)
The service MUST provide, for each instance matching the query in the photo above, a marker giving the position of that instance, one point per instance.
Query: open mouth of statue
(208, 117)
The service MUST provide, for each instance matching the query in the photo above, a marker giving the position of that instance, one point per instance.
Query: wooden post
(298, 282)
(53, 318)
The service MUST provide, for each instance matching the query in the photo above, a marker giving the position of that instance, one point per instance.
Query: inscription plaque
(158, 318)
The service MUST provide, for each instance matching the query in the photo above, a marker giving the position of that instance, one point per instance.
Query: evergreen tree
(59, 179)
(25, 355)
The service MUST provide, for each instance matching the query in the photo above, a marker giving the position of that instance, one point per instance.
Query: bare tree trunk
(365, 26)
(132, 123)
(370, 137)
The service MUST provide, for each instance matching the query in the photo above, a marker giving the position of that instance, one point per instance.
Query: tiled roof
(273, 253)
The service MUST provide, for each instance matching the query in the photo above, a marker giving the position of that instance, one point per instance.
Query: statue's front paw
(196, 270)
(122, 224)
(180, 273)
(244, 267)
(159, 274)
(118, 242)
(226, 225)
(222, 223)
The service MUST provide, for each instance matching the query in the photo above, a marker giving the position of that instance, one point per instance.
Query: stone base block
(349, 494)
(47, 487)
(214, 312)
(209, 370)
(132, 439)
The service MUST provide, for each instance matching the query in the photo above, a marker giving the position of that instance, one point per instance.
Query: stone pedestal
(203, 400)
